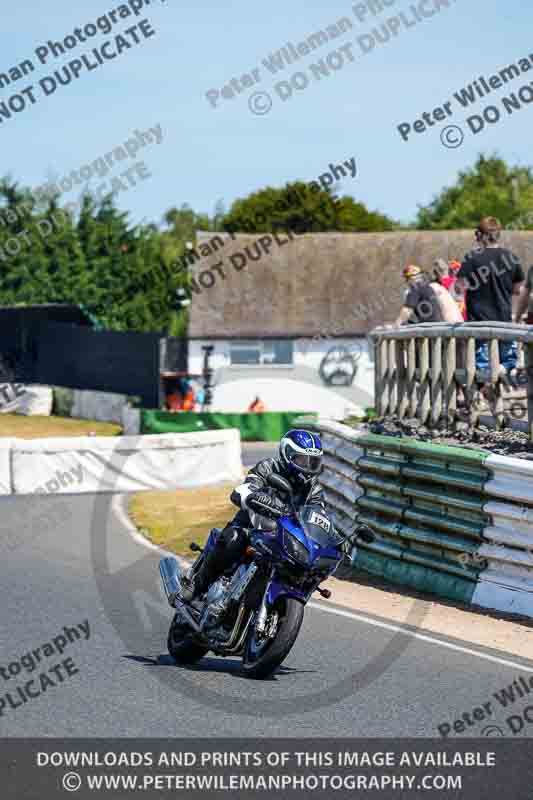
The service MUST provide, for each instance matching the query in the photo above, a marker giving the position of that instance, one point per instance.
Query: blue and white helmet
(301, 454)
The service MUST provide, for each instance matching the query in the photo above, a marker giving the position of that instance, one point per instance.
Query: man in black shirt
(525, 301)
(426, 300)
(491, 274)
(421, 303)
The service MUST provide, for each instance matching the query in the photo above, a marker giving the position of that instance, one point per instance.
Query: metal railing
(421, 369)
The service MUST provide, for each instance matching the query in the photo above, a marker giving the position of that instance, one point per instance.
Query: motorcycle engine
(214, 603)
(217, 591)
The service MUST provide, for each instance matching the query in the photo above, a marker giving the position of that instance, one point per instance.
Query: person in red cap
(446, 275)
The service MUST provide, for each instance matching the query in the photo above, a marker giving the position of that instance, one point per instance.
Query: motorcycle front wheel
(181, 644)
(262, 656)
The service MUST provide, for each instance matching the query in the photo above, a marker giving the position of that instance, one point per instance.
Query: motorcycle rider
(299, 462)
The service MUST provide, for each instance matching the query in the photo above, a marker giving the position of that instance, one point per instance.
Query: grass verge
(175, 519)
(39, 427)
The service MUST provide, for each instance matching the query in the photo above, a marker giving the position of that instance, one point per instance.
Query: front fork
(262, 614)
(273, 592)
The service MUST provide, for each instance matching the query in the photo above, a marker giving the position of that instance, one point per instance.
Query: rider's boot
(226, 551)
(195, 584)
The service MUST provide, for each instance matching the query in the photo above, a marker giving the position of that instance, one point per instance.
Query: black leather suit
(233, 538)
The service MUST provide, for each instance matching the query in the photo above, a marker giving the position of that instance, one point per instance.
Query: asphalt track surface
(347, 675)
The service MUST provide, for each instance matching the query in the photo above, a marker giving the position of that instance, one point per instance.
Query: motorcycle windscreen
(318, 527)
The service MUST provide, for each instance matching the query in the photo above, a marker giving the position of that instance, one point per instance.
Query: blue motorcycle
(256, 609)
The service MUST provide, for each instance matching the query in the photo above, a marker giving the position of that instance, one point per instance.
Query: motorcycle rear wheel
(181, 644)
(260, 660)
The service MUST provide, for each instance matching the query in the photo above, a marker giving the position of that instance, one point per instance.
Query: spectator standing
(455, 289)
(199, 397)
(525, 301)
(441, 272)
(425, 301)
(491, 274)
(257, 406)
(446, 275)
(188, 397)
(174, 399)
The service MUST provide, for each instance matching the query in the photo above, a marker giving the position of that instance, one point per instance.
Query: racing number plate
(322, 522)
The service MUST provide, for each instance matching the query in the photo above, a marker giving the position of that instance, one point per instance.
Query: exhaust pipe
(170, 571)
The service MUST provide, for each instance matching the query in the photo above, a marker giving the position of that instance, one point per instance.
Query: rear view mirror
(365, 534)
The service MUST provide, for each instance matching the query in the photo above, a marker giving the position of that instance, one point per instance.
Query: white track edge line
(423, 637)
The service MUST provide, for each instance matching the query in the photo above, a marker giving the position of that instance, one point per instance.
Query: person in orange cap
(425, 300)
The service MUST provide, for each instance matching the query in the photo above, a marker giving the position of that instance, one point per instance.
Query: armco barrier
(266, 427)
(119, 463)
(448, 520)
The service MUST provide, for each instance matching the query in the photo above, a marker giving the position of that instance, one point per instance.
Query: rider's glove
(263, 503)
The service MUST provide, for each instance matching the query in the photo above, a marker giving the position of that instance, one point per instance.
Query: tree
(489, 188)
(184, 222)
(115, 270)
(218, 215)
(304, 208)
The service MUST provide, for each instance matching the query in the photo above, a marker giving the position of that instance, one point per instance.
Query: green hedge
(267, 427)
(63, 401)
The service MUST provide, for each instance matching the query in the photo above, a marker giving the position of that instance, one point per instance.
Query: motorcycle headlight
(326, 563)
(295, 548)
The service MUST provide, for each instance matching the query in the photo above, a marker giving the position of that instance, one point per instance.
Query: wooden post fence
(422, 371)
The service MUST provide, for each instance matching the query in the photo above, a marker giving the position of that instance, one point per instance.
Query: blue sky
(226, 152)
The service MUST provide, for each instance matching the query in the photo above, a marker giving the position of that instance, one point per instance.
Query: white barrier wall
(120, 463)
(36, 400)
(100, 406)
(131, 421)
(6, 486)
(507, 583)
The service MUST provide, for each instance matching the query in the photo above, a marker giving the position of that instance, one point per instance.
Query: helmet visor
(306, 463)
